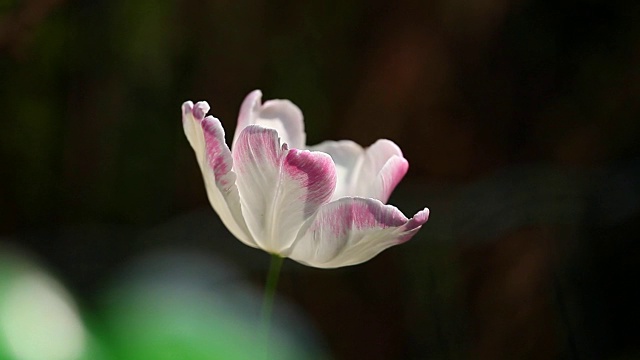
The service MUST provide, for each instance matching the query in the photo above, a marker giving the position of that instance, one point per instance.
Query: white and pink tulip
(322, 206)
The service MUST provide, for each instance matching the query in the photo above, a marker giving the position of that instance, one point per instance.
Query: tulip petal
(206, 136)
(383, 162)
(372, 173)
(350, 231)
(280, 188)
(348, 156)
(388, 178)
(280, 115)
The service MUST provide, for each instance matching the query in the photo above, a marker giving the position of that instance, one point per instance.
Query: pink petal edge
(361, 213)
(390, 176)
(314, 171)
(414, 224)
(218, 154)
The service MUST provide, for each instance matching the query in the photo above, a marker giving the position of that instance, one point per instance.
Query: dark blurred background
(520, 120)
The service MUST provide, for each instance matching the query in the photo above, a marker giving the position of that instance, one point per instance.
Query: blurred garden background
(520, 120)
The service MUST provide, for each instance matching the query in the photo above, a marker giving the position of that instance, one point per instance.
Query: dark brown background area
(520, 120)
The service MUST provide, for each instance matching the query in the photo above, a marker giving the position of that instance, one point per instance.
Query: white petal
(280, 188)
(348, 156)
(386, 179)
(382, 169)
(372, 173)
(192, 115)
(350, 231)
(206, 136)
(280, 115)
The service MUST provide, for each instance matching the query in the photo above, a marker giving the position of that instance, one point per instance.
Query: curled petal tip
(254, 93)
(418, 219)
(200, 110)
(187, 107)
(414, 224)
(421, 217)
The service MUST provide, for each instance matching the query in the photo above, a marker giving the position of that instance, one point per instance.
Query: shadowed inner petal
(373, 172)
(281, 115)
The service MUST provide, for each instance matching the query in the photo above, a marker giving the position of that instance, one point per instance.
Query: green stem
(269, 294)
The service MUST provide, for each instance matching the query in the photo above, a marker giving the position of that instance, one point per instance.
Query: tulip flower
(322, 206)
